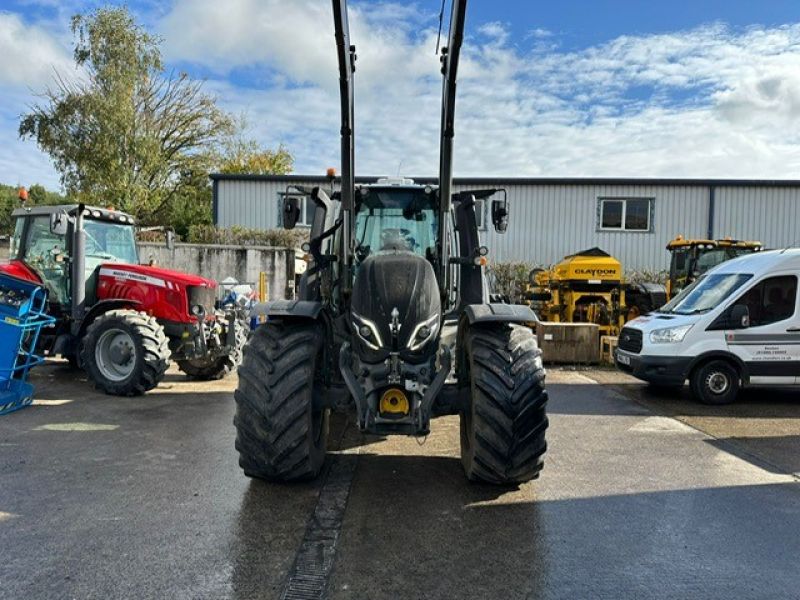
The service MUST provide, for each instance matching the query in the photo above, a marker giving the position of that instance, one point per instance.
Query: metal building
(632, 219)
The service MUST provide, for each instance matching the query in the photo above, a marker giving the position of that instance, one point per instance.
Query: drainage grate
(312, 567)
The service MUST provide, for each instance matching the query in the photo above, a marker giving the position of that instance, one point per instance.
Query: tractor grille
(204, 296)
(630, 340)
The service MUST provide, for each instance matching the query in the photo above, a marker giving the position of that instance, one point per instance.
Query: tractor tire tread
(508, 416)
(276, 379)
(153, 342)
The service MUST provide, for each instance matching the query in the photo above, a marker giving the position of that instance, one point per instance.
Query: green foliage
(242, 236)
(510, 279)
(647, 277)
(247, 157)
(9, 200)
(125, 132)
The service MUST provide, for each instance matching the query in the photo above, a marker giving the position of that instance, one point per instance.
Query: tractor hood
(396, 306)
(158, 275)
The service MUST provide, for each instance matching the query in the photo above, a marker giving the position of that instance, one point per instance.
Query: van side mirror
(58, 223)
(291, 211)
(170, 239)
(500, 215)
(740, 317)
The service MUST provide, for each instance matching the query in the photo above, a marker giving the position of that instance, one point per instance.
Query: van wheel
(716, 383)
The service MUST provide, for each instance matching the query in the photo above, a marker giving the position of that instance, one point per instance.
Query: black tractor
(394, 321)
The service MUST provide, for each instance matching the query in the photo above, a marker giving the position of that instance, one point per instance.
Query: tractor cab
(396, 218)
(691, 258)
(43, 242)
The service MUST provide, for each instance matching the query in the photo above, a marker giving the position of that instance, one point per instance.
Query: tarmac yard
(642, 495)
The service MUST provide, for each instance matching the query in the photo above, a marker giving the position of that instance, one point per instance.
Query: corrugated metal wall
(248, 203)
(769, 215)
(550, 221)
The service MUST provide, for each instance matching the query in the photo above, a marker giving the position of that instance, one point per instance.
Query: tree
(9, 200)
(246, 157)
(124, 132)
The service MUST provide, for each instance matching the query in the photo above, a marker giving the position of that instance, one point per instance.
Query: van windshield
(706, 293)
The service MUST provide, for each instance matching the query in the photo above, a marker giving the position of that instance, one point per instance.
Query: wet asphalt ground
(642, 496)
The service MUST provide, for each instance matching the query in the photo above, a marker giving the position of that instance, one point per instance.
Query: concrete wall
(243, 263)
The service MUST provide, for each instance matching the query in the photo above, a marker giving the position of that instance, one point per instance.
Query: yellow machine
(691, 258)
(589, 287)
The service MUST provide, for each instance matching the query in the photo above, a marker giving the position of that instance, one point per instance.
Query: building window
(306, 209)
(625, 214)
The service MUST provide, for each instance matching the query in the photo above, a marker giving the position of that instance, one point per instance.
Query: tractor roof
(94, 212)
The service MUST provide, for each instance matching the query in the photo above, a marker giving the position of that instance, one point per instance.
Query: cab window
(772, 300)
(16, 238)
(45, 252)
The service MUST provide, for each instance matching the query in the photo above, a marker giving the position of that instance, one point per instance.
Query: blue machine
(22, 316)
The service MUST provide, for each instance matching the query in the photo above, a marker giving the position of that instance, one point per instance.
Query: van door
(770, 346)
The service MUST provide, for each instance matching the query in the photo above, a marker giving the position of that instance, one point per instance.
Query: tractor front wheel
(280, 434)
(503, 431)
(125, 352)
(209, 369)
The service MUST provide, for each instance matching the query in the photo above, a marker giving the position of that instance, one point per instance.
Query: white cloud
(707, 102)
(31, 56)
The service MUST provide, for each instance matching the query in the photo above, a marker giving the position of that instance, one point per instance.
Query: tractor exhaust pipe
(78, 274)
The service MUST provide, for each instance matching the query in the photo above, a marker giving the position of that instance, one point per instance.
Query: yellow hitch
(394, 403)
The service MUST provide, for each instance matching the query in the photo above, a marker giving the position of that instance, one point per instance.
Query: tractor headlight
(367, 331)
(669, 335)
(423, 333)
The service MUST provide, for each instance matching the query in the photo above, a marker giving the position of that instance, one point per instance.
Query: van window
(772, 300)
(706, 293)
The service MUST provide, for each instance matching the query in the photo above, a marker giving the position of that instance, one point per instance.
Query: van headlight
(669, 335)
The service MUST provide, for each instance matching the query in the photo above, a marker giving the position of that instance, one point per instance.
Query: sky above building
(581, 88)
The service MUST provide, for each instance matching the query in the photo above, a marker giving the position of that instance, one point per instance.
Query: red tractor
(119, 320)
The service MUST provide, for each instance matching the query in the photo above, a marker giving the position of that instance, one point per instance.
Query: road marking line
(76, 427)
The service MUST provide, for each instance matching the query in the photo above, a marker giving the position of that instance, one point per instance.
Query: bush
(510, 279)
(242, 236)
(647, 277)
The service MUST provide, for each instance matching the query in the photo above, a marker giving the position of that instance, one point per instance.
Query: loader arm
(450, 55)
(346, 54)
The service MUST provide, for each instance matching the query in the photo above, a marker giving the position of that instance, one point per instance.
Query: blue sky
(589, 88)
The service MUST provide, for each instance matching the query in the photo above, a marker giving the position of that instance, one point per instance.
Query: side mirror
(59, 222)
(740, 317)
(291, 211)
(170, 239)
(500, 215)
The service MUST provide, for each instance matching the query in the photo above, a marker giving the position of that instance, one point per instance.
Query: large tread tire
(217, 368)
(151, 352)
(279, 435)
(503, 432)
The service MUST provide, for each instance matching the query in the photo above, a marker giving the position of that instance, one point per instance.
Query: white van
(737, 325)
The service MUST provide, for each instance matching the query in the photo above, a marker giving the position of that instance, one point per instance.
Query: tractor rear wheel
(280, 435)
(503, 431)
(125, 352)
(208, 369)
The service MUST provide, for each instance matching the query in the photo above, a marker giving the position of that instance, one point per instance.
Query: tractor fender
(102, 307)
(487, 313)
(302, 309)
(508, 313)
